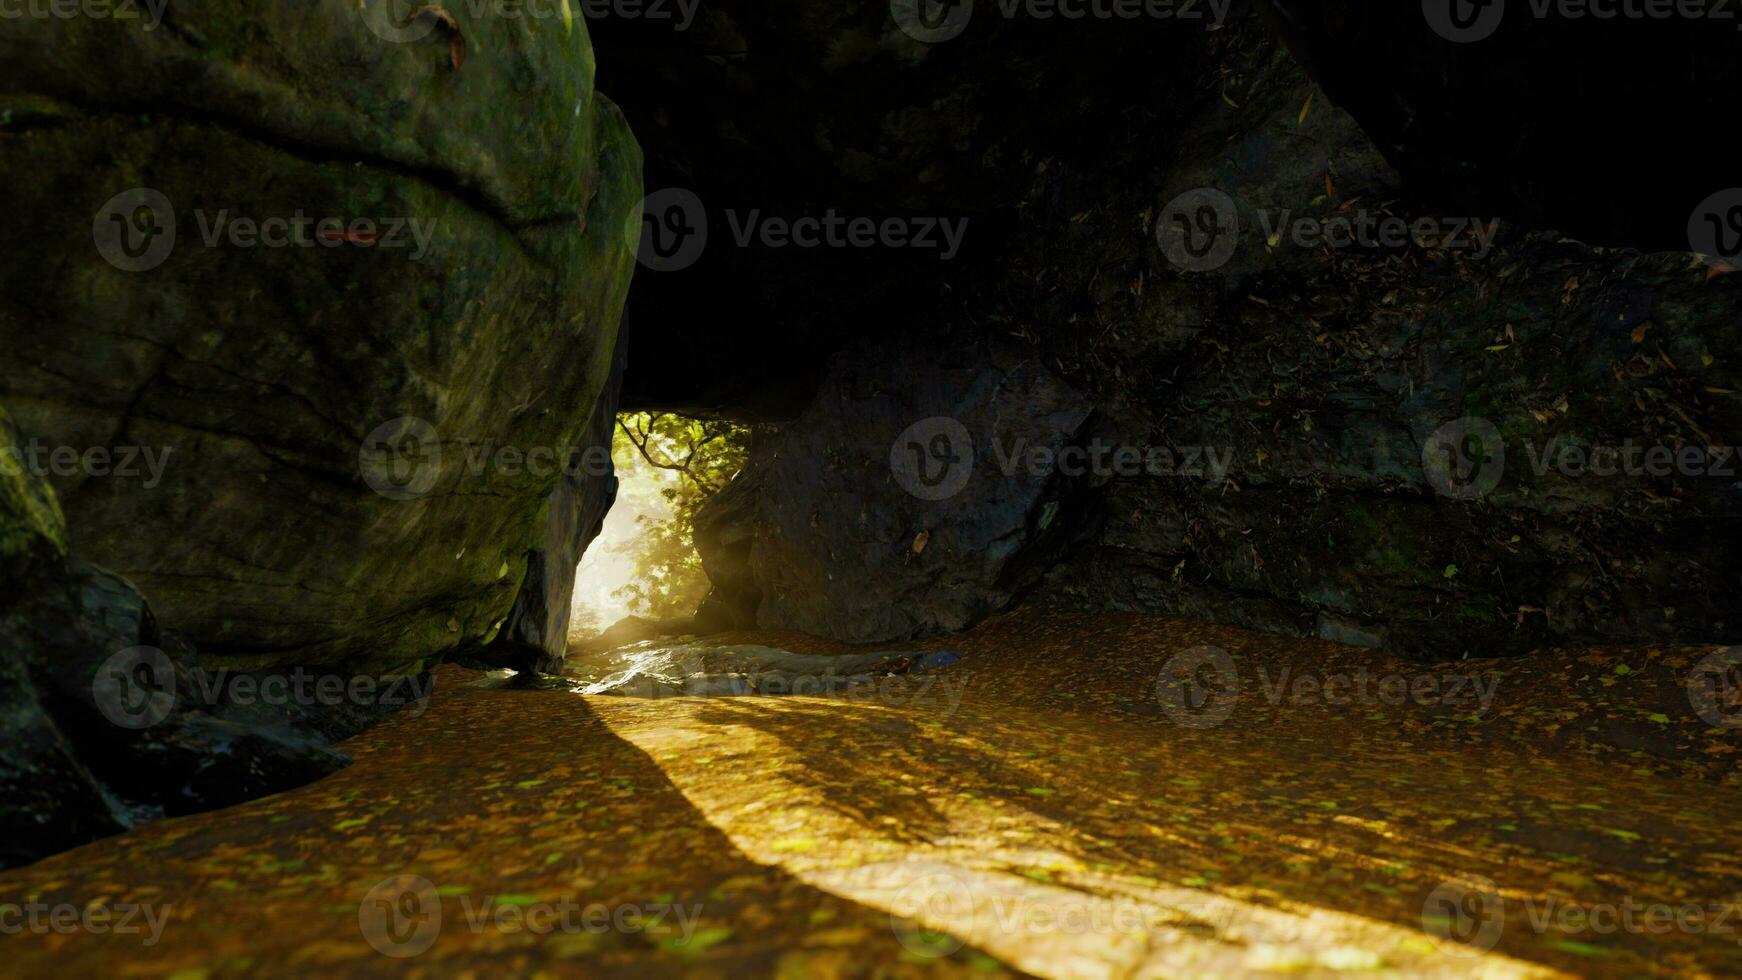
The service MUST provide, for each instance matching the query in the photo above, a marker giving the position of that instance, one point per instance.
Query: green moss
(32, 528)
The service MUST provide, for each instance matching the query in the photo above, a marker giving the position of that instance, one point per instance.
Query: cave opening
(642, 574)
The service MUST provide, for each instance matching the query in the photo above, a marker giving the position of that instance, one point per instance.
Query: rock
(1320, 387)
(535, 635)
(107, 720)
(834, 107)
(325, 406)
(1333, 378)
(1599, 127)
(822, 532)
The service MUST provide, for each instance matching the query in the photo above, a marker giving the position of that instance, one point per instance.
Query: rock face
(325, 302)
(535, 634)
(771, 113)
(904, 502)
(105, 718)
(1378, 440)
(1601, 127)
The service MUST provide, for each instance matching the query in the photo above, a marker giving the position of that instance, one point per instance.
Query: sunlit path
(1045, 816)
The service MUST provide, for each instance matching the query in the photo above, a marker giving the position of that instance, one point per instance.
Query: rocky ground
(1081, 795)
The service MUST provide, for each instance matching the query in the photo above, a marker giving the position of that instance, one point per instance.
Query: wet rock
(697, 668)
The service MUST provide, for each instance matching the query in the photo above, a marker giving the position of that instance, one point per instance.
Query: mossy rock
(32, 530)
(257, 374)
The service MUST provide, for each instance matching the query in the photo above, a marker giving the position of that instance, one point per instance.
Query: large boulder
(310, 297)
(107, 719)
(905, 502)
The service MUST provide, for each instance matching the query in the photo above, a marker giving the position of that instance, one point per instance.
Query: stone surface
(536, 632)
(793, 109)
(268, 380)
(1602, 127)
(106, 719)
(902, 503)
(1320, 389)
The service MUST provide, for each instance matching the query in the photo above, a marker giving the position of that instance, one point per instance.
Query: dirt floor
(1080, 796)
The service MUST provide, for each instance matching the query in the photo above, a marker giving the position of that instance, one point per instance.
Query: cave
(1061, 488)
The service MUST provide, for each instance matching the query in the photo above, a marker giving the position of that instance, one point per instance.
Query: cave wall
(1316, 400)
(789, 109)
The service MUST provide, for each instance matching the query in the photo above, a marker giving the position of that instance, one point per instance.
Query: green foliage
(696, 460)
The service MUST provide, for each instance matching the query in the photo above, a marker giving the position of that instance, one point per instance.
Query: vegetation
(697, 459)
